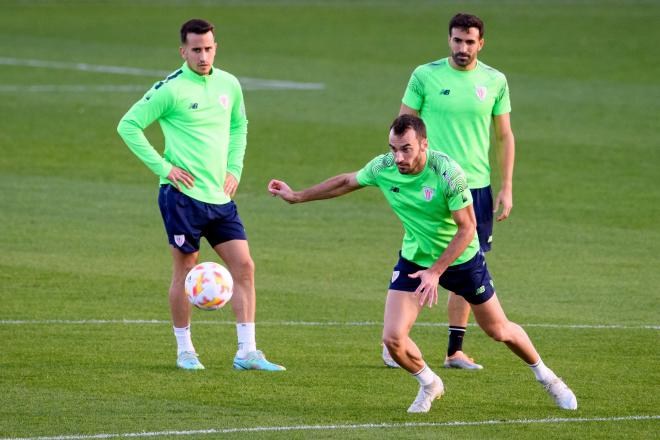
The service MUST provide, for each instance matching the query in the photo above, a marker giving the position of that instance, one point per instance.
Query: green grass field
(87, 349)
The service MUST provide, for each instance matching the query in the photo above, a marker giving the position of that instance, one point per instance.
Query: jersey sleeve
(456, 189)
(237, 134)
(367, 175)
(413, 97)
(156, 103)
(502, 102)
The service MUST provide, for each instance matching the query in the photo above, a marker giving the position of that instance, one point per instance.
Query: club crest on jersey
(428, 193)
(179, 240)
(481, 92)
(224, 101)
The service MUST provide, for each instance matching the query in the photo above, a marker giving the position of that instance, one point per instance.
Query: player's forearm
(506, 156)
(455, 248)
(236, 148)
(135, 139)
(333, 187)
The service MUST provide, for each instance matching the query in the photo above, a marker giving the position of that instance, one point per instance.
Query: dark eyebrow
(406, 145)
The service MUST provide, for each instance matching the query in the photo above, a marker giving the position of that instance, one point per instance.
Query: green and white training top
(205, 128)
(457, 107)
(423, 202)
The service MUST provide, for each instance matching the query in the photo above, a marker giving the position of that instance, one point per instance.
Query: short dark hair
(196, 26)
(465, 22)
(405, 122)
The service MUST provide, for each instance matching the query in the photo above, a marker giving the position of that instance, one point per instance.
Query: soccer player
(458, 97)
(201, 112)
(428, 192)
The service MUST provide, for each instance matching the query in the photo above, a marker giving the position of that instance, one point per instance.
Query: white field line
(305, 323)
(364, 426)
(65, 88)
(247, 83)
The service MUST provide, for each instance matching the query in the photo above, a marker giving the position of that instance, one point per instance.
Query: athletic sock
(543, 374)
(456, 334)
(246, 338)
(424, 376)
(183, 340)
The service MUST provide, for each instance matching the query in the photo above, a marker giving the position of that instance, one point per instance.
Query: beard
(462, 59)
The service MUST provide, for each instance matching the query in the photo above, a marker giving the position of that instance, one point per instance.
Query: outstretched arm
(333, 187)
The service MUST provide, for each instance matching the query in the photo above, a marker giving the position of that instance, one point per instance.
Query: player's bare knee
(393, 342)
(498, 332)
(243, 271)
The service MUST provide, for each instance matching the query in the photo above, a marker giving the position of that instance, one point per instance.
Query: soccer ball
(209, 286)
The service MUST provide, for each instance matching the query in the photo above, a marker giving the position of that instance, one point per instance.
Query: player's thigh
(401, 310)
(182, 263)
(236, 254)
(491, 317)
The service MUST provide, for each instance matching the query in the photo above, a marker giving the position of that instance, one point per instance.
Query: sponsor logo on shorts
(395, 275)
(179, 240)
(480, 290)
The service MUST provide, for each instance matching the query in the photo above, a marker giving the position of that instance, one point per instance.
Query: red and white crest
(481, 91)
(428, 193)
(224, 101)
(179, 240)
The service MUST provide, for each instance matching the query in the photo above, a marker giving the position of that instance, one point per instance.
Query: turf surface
(82, 237)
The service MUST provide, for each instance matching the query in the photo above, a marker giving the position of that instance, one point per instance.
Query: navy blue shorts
(482, 201)
(187, 220)
(470, 280)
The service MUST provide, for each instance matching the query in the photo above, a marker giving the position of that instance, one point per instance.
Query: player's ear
(424, 144)
(481, 44)
(182, 52)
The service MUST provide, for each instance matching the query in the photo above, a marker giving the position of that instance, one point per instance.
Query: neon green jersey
(457, 107)
(423, 202)
(205, 128)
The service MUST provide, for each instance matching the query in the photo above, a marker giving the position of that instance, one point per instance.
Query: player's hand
(505, 198)
(281, 189)
(177, 175)
(231, 185)
(427, 292)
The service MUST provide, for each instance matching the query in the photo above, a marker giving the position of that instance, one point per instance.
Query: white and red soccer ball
(209, 286)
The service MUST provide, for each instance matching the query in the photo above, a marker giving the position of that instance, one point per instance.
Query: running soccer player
(428, 192)
(201, 112)
(458, 97)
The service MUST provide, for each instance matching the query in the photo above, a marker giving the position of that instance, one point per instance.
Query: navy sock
(456, 334)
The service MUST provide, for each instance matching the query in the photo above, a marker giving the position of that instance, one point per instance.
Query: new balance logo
(445, 92)
(194, 106)
(394, 189)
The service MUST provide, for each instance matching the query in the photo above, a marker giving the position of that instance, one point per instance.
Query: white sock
(183, 340)
(425, 376)
(543, 374)
(246, 338)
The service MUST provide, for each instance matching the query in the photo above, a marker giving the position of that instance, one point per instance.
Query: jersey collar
(191, 74)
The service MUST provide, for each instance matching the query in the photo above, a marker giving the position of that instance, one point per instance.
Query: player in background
(428, 192)
(201, 112)
(458, 97)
